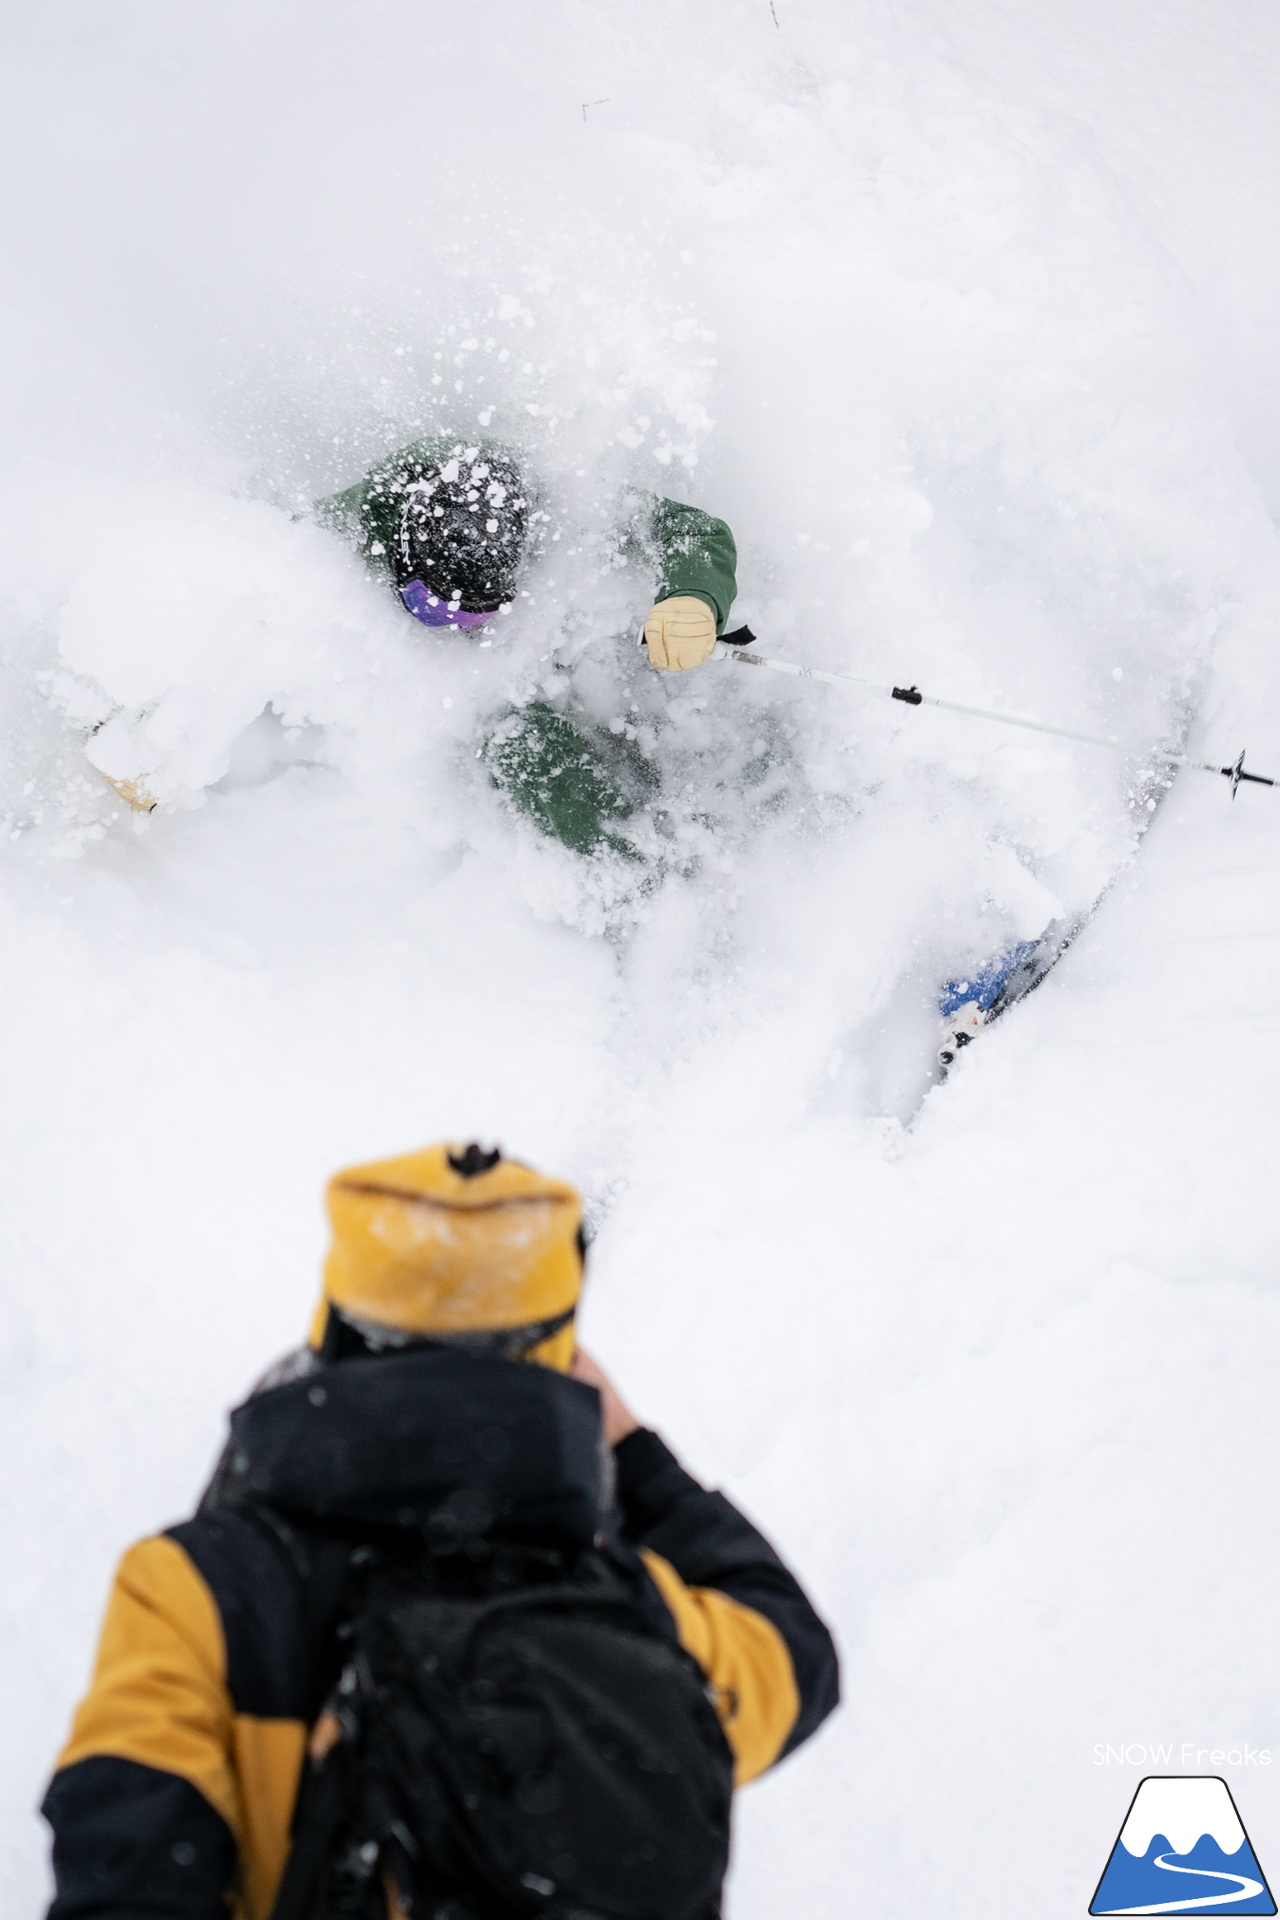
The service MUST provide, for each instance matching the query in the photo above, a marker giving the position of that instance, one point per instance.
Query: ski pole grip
(912, 695)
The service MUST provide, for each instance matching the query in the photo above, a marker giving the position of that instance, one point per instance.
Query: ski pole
(912, 697)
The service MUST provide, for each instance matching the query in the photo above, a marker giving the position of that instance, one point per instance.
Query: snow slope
(961, 317)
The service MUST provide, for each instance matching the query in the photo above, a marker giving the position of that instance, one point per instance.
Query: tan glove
(679, 633)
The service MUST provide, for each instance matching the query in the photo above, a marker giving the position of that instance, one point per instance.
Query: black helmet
(462, 529)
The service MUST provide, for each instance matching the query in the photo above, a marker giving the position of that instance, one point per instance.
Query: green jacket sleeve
(695, 554)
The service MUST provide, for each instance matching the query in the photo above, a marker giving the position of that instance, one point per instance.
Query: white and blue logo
(1183, 1849)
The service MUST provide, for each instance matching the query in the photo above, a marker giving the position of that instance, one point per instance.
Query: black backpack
(507, 1739)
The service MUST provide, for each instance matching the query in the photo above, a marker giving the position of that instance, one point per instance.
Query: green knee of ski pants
(575, 787)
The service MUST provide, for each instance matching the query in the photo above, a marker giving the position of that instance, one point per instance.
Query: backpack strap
(317, 1816)
(322, 1789)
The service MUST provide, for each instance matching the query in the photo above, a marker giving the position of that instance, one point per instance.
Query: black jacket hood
(438, 1442)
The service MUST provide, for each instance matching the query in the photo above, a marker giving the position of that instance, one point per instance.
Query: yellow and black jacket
(174, 1795)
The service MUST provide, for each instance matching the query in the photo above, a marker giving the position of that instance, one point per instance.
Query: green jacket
(690, 551)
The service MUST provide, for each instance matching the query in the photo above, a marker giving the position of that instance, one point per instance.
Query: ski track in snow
(965, 320)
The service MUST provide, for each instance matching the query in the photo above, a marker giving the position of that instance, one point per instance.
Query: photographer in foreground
(450, 1635)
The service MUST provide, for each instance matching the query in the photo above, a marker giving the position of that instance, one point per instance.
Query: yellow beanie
(442, 1242)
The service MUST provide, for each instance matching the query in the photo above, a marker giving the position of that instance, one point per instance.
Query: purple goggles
(435, 612)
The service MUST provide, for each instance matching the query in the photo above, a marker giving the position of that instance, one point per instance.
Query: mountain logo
(1182, 1849)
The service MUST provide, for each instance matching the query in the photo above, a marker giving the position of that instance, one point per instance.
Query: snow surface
(964, 316)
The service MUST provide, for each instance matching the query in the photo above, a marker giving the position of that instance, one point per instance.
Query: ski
(971, 1003)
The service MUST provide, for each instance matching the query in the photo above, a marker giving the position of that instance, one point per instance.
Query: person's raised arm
(738, 1609)
(697, 567)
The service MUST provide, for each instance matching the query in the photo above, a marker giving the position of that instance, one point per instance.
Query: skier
(443, 1633)
(451, 526)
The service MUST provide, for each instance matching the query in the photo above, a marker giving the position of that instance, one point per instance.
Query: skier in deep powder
(453, 526)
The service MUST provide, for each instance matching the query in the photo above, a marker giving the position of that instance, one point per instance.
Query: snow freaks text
(1180, 1754)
